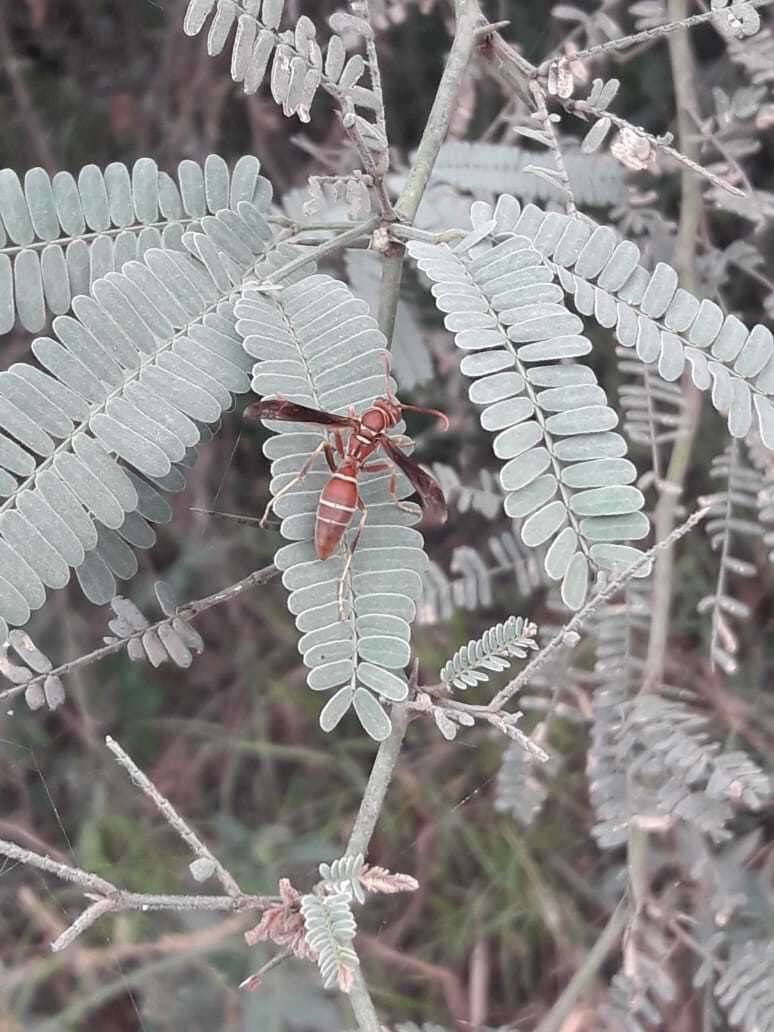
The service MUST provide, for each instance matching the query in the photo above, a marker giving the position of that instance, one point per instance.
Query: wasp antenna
(387, 371)
(441, 416)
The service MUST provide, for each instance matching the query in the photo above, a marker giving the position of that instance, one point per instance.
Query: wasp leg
(351, 550)
(339, 442)
(391, 488)
(323, 446)
(381, 467)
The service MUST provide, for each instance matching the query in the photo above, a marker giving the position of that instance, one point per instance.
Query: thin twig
(254, 980)
(469, 21)
(512, 66)
(541, 112)
(186, 833)
(570, 629)
(145, 902)
(581, 981)
(75, 875)
(362, 9)
(683, 70)
(328, 247)
(370, 808)
(378, 782)
(84, 921)
(362, 1004)
(370, 167)
(403, 232)
(185, 613)
(682, 159)
(691, 210)
(624, 42)
(435, 696)
(107, 898)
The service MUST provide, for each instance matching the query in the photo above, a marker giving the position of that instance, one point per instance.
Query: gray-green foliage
(172, 639)
(636, 996)
(33, 668)
(652, 408)
(298, 68)
(59, 235)
(330, 929)
(343, 875)
(652, 757)
(663, 324)
(469, 586)
(519, 791)
(483, 497)
(175, 300)
(315, 343)
(494, 651)
(733, 528)
(127, 387)
(490, 169)
(746, 989)
(565, 471)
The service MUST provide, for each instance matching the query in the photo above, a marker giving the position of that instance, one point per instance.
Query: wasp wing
(277, 408)
(430, 494)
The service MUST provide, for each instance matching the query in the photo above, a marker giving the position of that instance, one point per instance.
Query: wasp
(347, 458)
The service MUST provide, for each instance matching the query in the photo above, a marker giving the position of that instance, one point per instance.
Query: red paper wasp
(340, 496)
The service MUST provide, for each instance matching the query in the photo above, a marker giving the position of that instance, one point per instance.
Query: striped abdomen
(338, 501)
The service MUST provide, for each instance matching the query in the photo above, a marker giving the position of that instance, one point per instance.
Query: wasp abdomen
(338, 501)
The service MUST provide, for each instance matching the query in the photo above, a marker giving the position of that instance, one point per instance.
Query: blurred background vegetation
(503, 914)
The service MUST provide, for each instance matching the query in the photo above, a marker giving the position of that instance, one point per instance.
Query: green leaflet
(315, 343)
(59, 235)
(128, 384)
(297, 69)
(661, 324)
(551, 418)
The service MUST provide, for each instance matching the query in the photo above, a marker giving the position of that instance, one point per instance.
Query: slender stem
(673, 26)
(683, 70)
(365, 822)
(581, 981)
(378, 782)
(469, 21)
(362, 1004)
(568, 633)
(539, 97)
(338, 243)
(399, 231)
(254, 980)
(686, 160)
(362, 8)
(684, 77)
(108, 898)
(720, 584)
(75, 875)
(185, 613)
(389, 289)
(186, 833)
(383, 202)
(120, 902)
